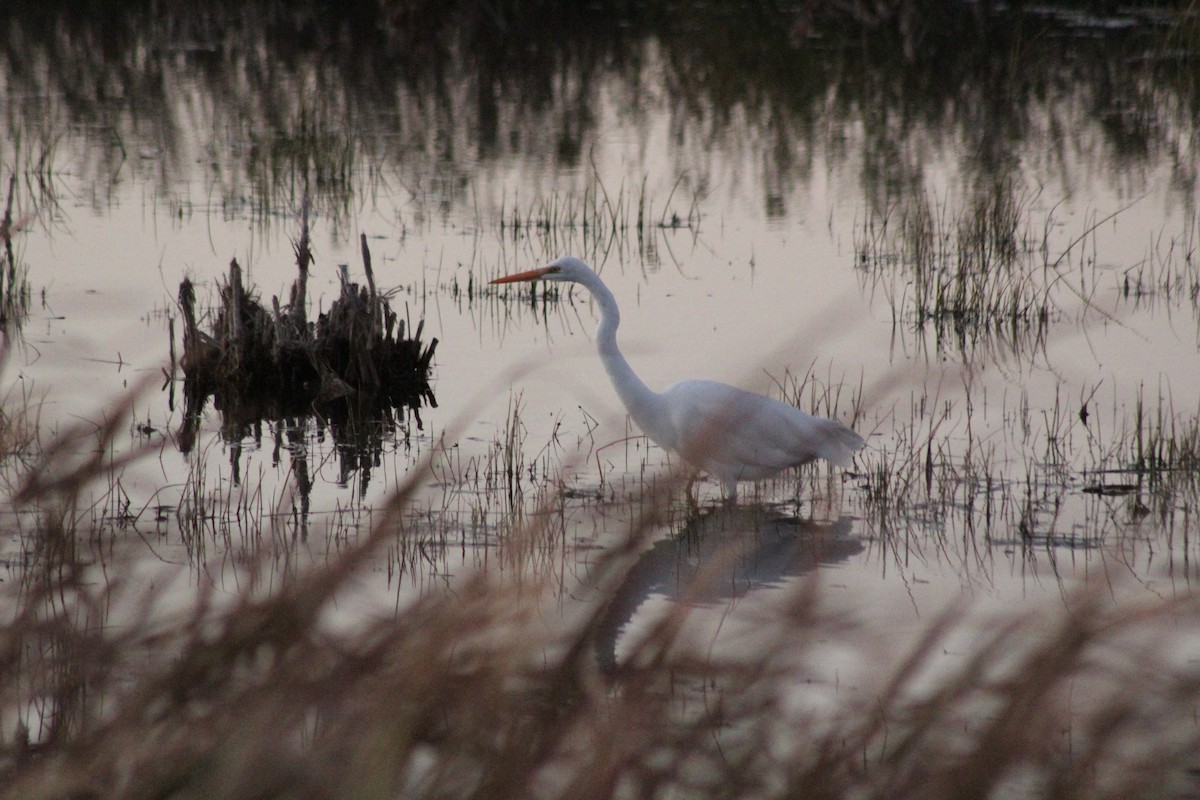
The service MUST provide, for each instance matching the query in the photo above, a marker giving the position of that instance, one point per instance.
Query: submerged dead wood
(262, 363)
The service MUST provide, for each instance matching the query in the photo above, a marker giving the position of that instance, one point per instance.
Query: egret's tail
(840, 444)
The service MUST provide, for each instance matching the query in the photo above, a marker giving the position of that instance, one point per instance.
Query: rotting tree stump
(354, 362)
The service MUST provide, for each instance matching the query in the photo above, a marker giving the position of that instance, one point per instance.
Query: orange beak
(531, 275)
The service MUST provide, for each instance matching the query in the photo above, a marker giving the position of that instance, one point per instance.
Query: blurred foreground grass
(111, 687)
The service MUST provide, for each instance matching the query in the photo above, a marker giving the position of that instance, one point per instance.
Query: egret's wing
(749, 433)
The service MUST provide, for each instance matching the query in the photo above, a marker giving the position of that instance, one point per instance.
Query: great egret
(731, 434)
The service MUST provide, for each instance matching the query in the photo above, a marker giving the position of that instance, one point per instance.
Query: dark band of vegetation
(429, 88)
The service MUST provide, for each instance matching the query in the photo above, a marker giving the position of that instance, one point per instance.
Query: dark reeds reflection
(260, 103)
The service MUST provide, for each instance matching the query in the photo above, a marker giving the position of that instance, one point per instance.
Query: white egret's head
(567, 268)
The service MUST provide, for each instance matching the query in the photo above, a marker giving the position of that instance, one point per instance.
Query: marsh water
(974, 241)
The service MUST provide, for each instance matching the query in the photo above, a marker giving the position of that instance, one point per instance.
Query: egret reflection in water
(719, 554)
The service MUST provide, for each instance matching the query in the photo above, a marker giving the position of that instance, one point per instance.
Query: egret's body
(732, 434)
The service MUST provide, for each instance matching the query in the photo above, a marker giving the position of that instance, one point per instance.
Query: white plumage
(729, 433)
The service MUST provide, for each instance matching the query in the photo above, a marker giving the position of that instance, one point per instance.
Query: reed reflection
(261, 103)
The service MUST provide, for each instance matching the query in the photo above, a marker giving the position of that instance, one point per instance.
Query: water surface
(769, 202)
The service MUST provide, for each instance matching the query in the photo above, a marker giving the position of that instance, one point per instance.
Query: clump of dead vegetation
(974, 278)
(267, 363)
(111, 688)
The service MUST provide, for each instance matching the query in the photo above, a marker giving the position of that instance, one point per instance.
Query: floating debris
(1111, 489)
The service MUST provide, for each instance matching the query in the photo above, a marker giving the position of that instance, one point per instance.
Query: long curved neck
(642, 403)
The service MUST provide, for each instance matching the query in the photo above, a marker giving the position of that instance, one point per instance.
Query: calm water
(783, 177)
